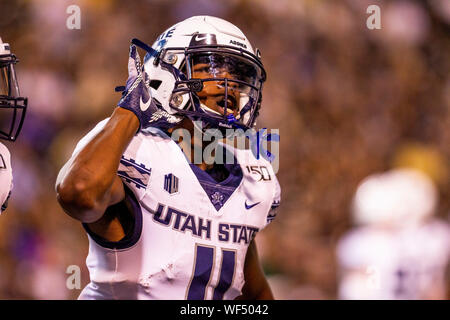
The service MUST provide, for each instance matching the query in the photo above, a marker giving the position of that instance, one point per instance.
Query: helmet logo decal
(202, 39)
(162, 40)
(158, 48)
(199, 38)
(167, 34)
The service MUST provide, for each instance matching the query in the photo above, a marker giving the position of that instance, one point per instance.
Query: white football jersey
(191, 233)
(5, 176)
(403, 263)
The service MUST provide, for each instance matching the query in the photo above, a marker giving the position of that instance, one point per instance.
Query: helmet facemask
(228, 88)
(12, 105)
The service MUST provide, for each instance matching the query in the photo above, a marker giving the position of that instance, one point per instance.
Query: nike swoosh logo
(144, 106)
(197, 38)
(248, 207)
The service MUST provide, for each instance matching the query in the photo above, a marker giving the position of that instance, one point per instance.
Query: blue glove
(137, 97)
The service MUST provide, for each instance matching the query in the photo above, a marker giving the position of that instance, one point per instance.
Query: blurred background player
(176, 229)
(12, 114)
(398, 250)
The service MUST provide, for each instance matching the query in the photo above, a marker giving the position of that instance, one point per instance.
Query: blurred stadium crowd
(349, 102)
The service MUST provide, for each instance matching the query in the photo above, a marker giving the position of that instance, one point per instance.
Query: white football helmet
(221, 50)
(399, 197)
(12, 105)
(5, 177)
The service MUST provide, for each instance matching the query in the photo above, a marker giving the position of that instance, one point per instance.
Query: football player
(399, 250)
(12, 115)
(159, 225)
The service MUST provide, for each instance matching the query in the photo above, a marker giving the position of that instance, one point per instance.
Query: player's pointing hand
(138, 99)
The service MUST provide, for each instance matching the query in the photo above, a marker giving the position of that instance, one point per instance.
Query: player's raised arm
(88, 183)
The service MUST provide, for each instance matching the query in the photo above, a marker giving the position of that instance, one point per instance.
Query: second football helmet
(201, 53)
(399, 197)
(12, 105)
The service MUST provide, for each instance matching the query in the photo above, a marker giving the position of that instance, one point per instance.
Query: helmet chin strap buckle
(144, 46)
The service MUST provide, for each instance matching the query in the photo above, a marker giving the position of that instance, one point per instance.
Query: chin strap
(144, 46)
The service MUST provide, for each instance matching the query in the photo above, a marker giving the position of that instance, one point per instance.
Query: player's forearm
(86, 182)
(95, 166)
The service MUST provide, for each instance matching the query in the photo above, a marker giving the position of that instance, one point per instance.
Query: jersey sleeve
(275, 202)
(5, 177)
